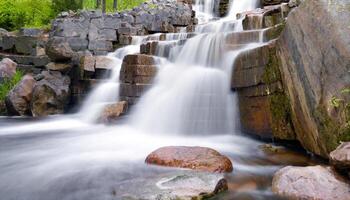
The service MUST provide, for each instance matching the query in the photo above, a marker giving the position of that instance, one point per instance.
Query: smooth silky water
(70, 157)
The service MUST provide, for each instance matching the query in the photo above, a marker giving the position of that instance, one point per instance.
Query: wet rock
(59, 50)
(272, 2)
(7, 68)
(184, 185)
(315, 71)
(310, 183)
(136, 76)
(221, 7)
(87, 63)
(50, 95)
(139, 59)
(196, 158)
(340, 158)
(19, 98)
(112, 112)
(103, 62)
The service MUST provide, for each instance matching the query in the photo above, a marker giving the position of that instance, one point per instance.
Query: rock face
(315, 73)
(340, 158)
(196, 158)
(19, 98)
(112, 112)
(310, 183)
(136, 76)
(101, 33)
(184, 185)
(26, 48)
(221, 7)
(7, 68)
(50, 95)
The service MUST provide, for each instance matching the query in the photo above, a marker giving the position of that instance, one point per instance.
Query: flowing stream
(70, 157)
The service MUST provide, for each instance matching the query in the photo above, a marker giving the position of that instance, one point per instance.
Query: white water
(108, 92)
(70, 157)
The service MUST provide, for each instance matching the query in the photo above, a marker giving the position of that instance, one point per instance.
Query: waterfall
(239, 6)
(189, 104)
(108, 92)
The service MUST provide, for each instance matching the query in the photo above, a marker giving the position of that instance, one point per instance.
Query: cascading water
(190, 104)
(108, 92)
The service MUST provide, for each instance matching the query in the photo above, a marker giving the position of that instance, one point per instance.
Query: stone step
(269, 16)
(37, 61)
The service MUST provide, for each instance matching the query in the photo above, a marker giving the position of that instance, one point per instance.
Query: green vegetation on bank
(15, 14)
(9, 84)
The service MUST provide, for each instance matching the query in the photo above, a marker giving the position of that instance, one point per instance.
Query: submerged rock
(182, 185)
(196, 158)
(112, 112)
(19, 98)
(308, 183)
(340, 158)
(7, 68)
(51, 94)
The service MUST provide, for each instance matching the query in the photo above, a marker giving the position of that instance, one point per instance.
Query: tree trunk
(115, 5)
(103, 6)
(98, 3)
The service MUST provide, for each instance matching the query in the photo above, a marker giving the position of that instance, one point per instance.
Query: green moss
(328, 129)
(279, 102)
(281, 116)
(272, 73)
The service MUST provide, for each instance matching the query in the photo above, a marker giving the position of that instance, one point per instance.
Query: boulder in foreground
(196, 158)
(310, 183)
(183, 185)
(340, 158)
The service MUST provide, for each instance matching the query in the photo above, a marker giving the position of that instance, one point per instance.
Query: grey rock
(182, 185)
(308, 183)
(50, 95)
(58, 49)
(32, 32)
(101, 45)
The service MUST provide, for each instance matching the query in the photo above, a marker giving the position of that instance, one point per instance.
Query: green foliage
(11, 17)
(8, 84)
(122, 4)
(15, 14)
(335, 102)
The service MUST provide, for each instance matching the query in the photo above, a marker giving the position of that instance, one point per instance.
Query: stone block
(133, 90)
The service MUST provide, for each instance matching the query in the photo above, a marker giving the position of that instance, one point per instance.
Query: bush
(11, 17)
(8, 84)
